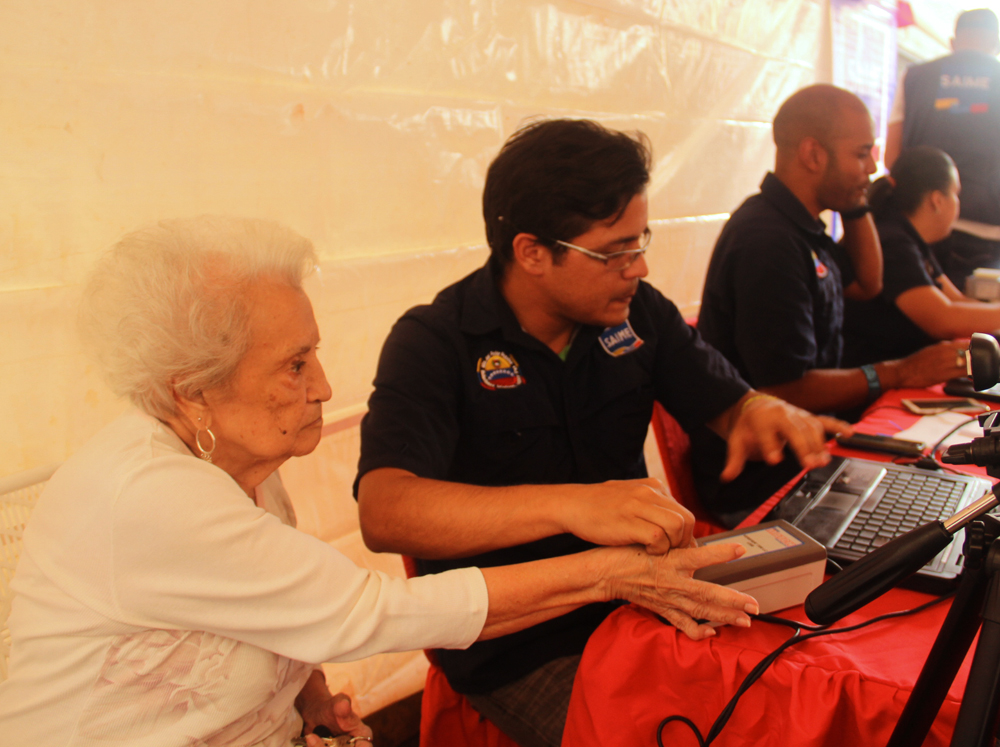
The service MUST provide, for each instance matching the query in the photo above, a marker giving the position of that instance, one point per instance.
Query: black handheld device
(887, 444)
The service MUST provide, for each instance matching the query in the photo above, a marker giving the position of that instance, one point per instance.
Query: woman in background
(164, 596)
(913, 207)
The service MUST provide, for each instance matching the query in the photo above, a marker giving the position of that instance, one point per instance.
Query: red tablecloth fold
(845, 689)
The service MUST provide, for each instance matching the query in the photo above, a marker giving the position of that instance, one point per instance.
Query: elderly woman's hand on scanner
(665, 585)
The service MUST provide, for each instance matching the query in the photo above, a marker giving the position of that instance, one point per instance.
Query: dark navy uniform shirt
(773, 304)
(463, 394)
(953, 103)
(876, 330)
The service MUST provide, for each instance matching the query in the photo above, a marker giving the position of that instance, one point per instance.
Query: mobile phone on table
(887, 444)
(943, 404)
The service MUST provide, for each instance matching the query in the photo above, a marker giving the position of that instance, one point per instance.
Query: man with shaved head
(817, 111)
(774, 295)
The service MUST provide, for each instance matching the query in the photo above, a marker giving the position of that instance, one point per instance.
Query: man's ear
(936, 200)
(530, 254)
(812, 155)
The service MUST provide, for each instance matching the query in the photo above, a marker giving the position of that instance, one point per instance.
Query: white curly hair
(165, 308)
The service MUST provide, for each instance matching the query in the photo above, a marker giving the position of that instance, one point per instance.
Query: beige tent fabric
(367, 125)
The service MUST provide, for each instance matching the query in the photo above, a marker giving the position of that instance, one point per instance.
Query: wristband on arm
(858, 212)
(874, 385)
(754, 398)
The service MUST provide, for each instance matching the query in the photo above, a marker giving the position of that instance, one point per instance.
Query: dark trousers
(532, 710)
(961, 253)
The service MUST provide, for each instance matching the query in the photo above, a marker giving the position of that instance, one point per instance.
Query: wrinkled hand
(931, 365)
(769, 424)
(337, 714)
(665, 585)
(629, 512)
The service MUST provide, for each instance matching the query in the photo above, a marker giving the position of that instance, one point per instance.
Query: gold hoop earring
(204, 453)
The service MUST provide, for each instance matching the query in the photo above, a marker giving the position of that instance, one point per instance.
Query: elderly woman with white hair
(164, 596)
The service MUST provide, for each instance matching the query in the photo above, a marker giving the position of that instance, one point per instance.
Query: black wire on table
(814, 631)
(960, 426)
(930, 459)
(940, 442)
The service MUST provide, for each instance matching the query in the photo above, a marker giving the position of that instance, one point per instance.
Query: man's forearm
(434, 519)
(893, 141)
(862, 245)
(824, 390)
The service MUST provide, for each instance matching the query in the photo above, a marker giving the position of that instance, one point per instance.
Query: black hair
(916, 172)
(980, 19)
(556, 178)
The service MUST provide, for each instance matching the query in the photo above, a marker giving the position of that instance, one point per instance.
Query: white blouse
(158, 605)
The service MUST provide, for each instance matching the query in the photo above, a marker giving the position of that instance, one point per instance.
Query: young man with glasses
(509, 416)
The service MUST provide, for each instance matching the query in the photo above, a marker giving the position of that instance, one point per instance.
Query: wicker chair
(18, 494)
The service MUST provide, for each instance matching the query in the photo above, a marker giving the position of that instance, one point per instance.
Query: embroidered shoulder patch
(498, 370)
(620, 340)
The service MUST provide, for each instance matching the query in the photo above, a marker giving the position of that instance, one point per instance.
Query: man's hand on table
(764, 425)
(629, 512)
(928, 366)
(665, 585)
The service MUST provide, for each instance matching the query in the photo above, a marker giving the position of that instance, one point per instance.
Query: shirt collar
(904, 223)
(484, 310)
(781, 197)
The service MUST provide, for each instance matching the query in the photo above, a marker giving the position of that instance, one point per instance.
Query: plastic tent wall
(367, 126)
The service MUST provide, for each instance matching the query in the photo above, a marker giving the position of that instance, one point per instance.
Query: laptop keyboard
(901, 502)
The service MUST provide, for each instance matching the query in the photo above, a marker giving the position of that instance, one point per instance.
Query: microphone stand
(880, 570)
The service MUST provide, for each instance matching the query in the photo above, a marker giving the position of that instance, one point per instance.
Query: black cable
(928, 462)
(934, 449)
(940, 441)
(815, 631)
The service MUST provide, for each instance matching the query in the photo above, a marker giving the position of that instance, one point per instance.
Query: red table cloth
(837, 690)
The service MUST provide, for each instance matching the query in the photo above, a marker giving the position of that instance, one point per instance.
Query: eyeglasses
(615, 261)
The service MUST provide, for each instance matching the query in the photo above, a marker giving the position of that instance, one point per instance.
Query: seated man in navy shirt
(773, 302)
(508, 417)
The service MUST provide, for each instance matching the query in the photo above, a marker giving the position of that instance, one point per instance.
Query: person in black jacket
(953, 103)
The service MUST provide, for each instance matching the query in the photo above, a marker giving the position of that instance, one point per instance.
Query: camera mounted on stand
(984, 368)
